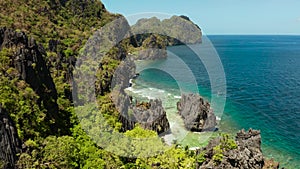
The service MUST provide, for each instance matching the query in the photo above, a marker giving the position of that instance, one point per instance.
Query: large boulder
(151, 115)
(196, 113)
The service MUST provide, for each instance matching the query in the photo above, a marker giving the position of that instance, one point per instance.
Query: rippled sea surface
(263, 88)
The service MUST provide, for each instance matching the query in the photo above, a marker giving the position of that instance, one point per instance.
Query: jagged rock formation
(106, 49)
(119, 82)
(28, 60)
(150, 115)
(9, 142)
(196, 113)
(247, 155)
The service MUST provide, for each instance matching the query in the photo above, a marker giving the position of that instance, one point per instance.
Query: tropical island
(40, 46)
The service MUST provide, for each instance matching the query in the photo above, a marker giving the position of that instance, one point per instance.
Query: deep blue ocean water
(263, 88)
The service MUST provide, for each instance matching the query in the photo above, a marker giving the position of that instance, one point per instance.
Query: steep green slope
(36, 79)
(39, 44)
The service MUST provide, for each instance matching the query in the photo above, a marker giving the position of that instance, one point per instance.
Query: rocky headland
(153, 35)
(244, 153)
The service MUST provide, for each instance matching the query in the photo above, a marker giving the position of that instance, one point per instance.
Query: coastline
(227, 123)
(144, 92)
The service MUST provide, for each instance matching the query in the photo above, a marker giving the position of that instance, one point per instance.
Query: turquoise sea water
(263, 89)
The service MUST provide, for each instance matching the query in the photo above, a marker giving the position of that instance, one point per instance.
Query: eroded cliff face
(10, 144)
(28, 59)
(150, 115)
(247, 155)
(154, 35)
(196, 113)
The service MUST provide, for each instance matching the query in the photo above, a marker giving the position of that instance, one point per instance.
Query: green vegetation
(76, 151)
(2, 164)
(226, 144)
(174, 31)
(63, 27)
(20, 99)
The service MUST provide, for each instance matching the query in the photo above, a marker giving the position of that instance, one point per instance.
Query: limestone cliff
(154, 35)
(28, 59)
(150, 115)
(176, 30)
(10, 144)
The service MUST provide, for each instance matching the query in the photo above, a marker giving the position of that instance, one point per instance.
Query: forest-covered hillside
(40, 42)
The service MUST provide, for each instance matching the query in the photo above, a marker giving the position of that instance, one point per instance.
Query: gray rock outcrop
(176, 30)
(247, 155)
(10, 144)
(196, 113)
(150, 115)
(154, 35)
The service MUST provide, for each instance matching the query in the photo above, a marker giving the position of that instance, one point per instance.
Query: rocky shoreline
(244, 152)
(198, 116)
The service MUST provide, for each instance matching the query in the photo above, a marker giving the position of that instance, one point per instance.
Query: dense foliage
(62, 27)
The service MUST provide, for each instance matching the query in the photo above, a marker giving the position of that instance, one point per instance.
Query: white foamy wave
(161, 91)
(136, 91)
(149, 93)
(177, 97)
(129, 89)
(218, 118)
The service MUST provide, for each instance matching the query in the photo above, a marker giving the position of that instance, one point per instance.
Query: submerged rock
(196, 113)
